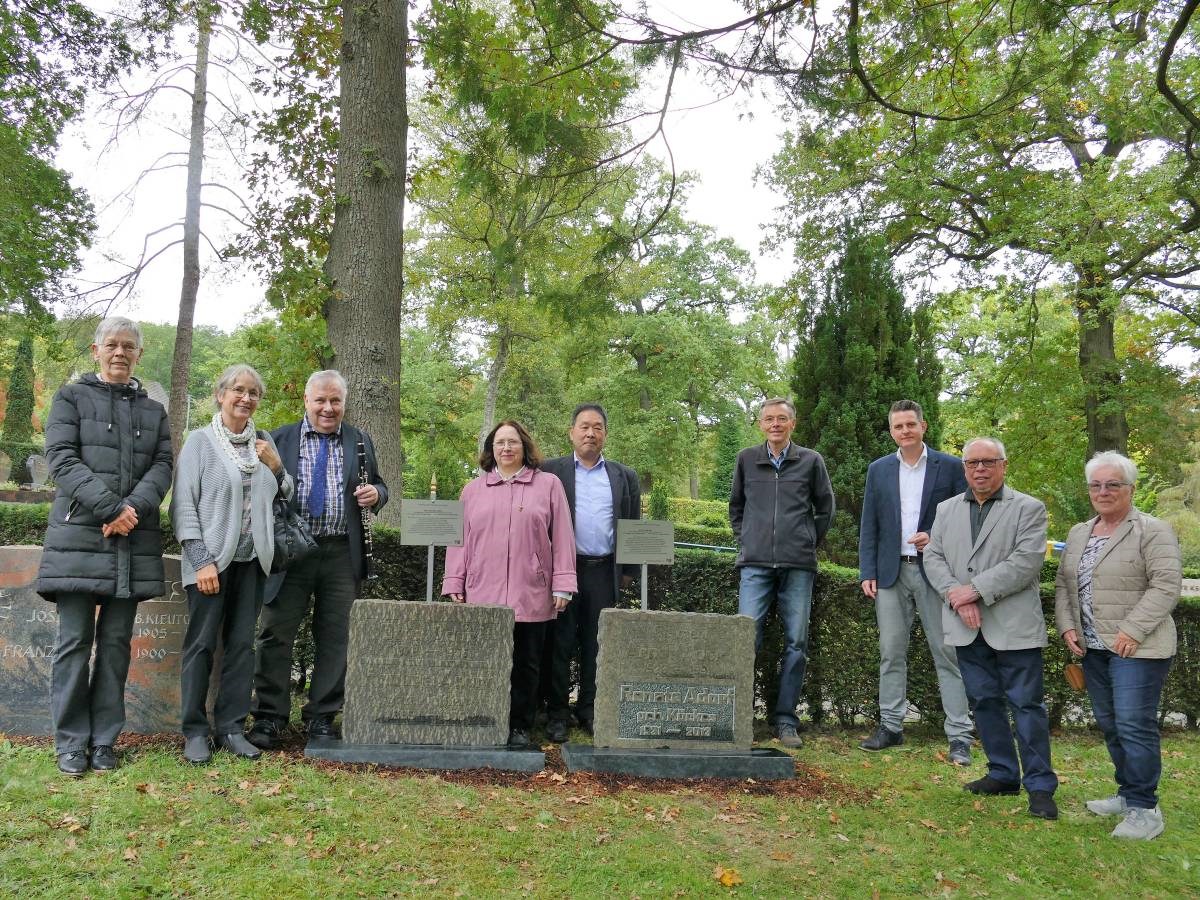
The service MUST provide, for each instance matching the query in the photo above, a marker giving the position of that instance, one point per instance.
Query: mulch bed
(809, 784)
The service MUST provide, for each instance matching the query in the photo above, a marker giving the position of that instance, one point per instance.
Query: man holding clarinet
(338, 487)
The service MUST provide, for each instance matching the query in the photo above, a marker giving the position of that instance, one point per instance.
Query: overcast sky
(721, 140)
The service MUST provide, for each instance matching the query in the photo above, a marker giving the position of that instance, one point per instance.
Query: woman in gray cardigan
(1117, 583)
(226, 478)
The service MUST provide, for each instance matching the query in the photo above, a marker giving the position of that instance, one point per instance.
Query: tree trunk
(181, 362)
(1107, 427)
(503, 343)
(365, 262)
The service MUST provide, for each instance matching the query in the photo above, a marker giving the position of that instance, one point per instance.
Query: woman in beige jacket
(1117, 583)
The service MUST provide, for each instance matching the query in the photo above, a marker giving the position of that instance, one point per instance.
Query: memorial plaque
(39, 470)
(645, 542)
(5, 466)
(431, 523)
(674, 680)
(29, 624)
(428, 674)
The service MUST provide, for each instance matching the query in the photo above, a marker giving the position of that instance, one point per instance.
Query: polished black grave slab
(759, 763)
(428, 756)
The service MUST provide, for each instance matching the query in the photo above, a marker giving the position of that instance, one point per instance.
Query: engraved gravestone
(428, 673)
(5, 466)
(39, 470)
(674, 680)
(28, 625)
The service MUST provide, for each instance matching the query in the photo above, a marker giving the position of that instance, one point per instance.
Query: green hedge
(843, 669)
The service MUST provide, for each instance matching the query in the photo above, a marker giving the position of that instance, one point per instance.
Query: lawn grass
(853, 825)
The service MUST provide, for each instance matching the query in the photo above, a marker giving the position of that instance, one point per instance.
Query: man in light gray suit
(984, 556)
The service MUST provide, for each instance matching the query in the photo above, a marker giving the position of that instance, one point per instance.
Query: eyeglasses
(252, 393)
(505, 445)
(982, 463)
(1095, 487)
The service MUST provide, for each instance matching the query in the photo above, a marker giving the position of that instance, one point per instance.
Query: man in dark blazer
(899, 503)
(321, 453)
(599, 492)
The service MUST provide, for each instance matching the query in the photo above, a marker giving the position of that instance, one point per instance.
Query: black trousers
(528, 640)
(577, 627)
(325, 578)
(228, 615)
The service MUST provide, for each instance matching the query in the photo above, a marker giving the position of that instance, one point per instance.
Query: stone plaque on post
(427, 686)
(29, 624)
(675, 698)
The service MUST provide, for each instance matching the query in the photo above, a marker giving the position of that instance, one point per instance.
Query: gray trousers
(326, 576)
(87, 702)
(228, 615)
(894, 610)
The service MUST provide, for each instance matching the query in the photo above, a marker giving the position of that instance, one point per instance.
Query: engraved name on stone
(696, 712)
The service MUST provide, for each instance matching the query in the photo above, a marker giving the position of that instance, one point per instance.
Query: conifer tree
(18, 415)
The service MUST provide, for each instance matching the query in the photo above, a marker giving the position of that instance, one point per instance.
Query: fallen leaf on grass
(510, 828)
(428, 882)
(71, 844)
(834, 818)
(779, 856)
(603, 837)
(727, 877)
(130, 854)
(940, 756)
(579, 800)
(71, 824)
(272, 790)
(558, 777)
(842, 837)
(1011, 877)
(977, 806)
(289, 841)
(931, 825)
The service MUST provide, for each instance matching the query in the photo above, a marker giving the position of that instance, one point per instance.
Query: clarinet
(365, 512)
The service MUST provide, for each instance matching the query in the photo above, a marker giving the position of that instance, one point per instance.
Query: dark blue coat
(879, 531)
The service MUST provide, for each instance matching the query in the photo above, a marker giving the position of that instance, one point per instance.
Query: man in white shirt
(899, 504)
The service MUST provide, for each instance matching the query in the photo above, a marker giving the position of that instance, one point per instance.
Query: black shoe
(960, 753)
(73, 763)
(1042, 805)
(882, 739)
(518, 739)
(103, 758)
(237, 744)
(265, 734)
(322, 726)
(197, 749)
(990, 786)
(587, 725)
(557, 731)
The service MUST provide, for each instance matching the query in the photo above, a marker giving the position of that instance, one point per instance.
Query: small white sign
(1191, 587)
(645, 542)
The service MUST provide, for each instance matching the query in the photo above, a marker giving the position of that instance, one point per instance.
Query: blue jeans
(997, 680)
(1125, 694)
(791, 589)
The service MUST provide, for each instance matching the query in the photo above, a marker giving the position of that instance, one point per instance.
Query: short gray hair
(1112, 458)
(984, 439)
(117, 325)
(232, 374)
(326, 375)
(778, 401)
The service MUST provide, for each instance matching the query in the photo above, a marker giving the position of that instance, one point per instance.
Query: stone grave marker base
(438, 757)
(759, 763)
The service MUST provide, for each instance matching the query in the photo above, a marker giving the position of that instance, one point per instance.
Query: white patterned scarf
(227, 440)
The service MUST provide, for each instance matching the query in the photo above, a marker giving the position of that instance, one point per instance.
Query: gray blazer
(1004, 565)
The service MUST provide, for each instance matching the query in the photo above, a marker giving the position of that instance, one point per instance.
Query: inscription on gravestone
(674, 680)
(428, 674)
(28, 625)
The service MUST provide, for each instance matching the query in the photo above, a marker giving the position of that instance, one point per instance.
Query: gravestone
(675, 698)
(5, 466)
(156, 392)
(427, 686)
(39, 471)
(28, 625)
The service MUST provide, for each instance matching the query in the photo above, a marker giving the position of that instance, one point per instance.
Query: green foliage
(732, 436)
(660, 504)
(1180, 505)
(18, 413)
(857, 355)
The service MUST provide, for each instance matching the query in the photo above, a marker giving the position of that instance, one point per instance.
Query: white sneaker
(1140, 824)
(1109, 806)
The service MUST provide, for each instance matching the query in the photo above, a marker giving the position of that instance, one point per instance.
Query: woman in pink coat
(518, 550)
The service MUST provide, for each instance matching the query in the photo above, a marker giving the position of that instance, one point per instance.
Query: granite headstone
(674, 680)
(39, 470)
(428, 673)
(28, 625)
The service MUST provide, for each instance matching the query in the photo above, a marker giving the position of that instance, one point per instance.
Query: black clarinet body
(365, 512)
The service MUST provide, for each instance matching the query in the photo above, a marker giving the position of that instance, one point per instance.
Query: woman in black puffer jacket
(109, 450)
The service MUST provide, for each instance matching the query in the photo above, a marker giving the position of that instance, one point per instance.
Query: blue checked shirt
(333, 519)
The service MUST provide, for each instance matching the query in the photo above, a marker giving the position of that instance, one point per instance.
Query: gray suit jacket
(1004, 566)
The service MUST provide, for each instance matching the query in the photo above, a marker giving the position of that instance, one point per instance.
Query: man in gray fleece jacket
(780, 506)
